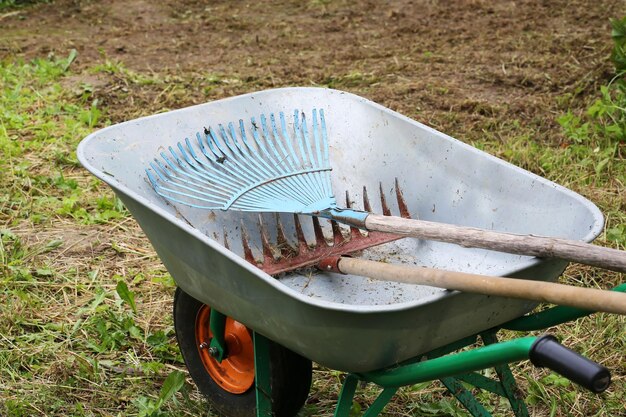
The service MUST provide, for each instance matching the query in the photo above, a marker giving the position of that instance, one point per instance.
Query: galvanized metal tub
(347, 323)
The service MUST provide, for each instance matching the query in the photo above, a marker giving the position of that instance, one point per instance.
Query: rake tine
(213, 142)
(283, 158)
(250, 165)
(233, 137)
(308, 188)
(274, 161)
(268, 255)
(326, 158)
(320, 241)
(383, 201)
(247, 252)
(161, 190)
(284, 155)
(286, 250)
(202, 170)
(366, 201)
(244, 171)
(300, 131)
(284, 135)
(300, 138)
(307, 153)
(178, 171)
(354, 232)
(320, 160)
(303, 246)
(404, 209)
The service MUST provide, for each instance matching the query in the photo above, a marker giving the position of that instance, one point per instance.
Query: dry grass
(495, 75)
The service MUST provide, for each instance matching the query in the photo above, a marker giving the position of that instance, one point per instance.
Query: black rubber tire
(290, 373)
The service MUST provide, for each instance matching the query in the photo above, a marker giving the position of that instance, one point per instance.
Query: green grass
(72, 341)
(85, 327)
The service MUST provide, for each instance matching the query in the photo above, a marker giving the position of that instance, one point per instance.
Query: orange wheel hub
(235, 373)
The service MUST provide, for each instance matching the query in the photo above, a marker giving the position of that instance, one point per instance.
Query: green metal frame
(262, 372)
(217, 324)
(454, 370)
(262, 375)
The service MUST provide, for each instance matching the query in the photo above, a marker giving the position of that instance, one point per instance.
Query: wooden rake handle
(530, 245)
(547, 292)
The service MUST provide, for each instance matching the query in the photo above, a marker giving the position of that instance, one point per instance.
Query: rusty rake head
(285, 256)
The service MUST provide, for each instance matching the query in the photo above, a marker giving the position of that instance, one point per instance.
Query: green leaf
(127, 295)
(618, 31)
(601, 165)
(7, 233)
(555, 380)
(52, 245)
(156, 339)
(172, 384)
(71, 57)
(617, 234)
(44, 272)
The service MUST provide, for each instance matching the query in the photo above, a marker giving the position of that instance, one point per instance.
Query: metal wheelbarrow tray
(378, 331)
(323, 316)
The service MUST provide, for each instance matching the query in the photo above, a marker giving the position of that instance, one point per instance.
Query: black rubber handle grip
(548, 352)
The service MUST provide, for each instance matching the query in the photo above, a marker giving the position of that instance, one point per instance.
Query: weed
(172, 384)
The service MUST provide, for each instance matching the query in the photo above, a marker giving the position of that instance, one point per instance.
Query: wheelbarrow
(248, 338)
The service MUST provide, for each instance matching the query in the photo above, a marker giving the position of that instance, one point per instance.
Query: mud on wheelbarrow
(248, 338)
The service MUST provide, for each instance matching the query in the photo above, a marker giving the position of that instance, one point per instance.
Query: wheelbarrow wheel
(229, 385)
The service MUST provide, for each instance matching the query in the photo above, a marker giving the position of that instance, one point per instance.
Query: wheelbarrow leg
(505, 387)
(344, 404)
(262, 376)
(381, 401)
(347, 395)
(465, 397)
(507, 380)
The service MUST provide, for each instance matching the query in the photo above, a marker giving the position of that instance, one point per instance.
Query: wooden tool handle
(544, 247)
(547, 292)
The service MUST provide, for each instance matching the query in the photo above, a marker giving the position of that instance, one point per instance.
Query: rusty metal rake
(284, 257)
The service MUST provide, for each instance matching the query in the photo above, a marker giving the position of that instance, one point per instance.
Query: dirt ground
(449, 64)
(468, 68)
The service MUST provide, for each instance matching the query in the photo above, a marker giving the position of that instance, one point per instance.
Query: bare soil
(469, 68)
(462, 66)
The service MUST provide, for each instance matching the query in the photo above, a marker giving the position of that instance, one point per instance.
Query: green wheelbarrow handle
(543, 351)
